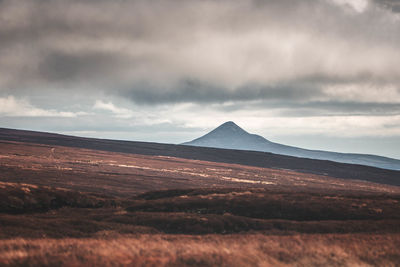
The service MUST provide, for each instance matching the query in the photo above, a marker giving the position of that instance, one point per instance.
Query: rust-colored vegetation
(27, 198)
(210, 250)
(74, 206)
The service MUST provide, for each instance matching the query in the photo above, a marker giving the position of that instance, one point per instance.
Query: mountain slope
(231, 136)
(229, 156)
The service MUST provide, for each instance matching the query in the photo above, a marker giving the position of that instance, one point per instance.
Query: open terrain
(76, 201)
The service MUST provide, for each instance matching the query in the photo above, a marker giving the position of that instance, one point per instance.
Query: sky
(318, 74)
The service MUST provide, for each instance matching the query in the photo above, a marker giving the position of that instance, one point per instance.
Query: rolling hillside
(249, 158)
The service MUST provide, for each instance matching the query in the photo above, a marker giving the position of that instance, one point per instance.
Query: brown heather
(209, 250)
(78, 206)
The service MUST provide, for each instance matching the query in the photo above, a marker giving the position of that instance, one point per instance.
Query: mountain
(231, 136)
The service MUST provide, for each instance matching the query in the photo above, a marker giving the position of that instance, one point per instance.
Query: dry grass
(125, 175)
(26, 198)
(68, 206)
(209, 250)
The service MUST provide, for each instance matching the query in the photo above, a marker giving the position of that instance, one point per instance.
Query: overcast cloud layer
(168, 71)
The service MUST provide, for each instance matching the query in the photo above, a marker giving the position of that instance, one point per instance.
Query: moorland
(67, 201)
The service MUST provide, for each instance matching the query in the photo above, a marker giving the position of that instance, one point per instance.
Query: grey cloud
(67, 67)
(293, 108)
(332, 108)
(196, 91)
(393, 5)
(195, 51)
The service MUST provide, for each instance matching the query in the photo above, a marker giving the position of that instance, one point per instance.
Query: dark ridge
(261, 203)
(250, 158)
(16, 198)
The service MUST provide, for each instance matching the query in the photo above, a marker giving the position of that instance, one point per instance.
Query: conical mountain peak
(229, 127)
(229, 135)
(229, 124)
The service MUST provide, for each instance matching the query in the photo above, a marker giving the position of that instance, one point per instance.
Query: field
(209, 250)
(68, 205)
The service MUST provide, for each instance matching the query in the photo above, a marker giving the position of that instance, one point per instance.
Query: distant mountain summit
(230, 136)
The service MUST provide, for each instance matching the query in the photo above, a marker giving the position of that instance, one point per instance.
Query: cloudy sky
(320, 74)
